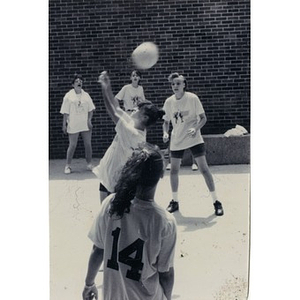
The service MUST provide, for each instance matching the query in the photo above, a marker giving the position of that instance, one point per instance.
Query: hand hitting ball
(145, 56)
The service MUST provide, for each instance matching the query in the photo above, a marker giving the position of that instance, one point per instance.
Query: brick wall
(206, 40)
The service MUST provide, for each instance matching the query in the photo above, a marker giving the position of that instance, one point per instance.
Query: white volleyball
(145, 55)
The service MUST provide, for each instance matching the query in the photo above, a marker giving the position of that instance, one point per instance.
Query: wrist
(89, 286)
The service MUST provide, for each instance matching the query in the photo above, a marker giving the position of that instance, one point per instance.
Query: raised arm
(111, 103)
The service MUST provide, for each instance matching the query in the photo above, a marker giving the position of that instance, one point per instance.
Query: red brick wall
(207, 41)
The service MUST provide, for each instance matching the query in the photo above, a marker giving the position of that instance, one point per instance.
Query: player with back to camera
(77, 109)
(133, 236)
(130, 129)
(132, 94)
(185, 111)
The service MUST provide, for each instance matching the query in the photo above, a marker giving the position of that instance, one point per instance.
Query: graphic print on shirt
(135, 100)
(179, 115)
(79, 108)
(124, 256)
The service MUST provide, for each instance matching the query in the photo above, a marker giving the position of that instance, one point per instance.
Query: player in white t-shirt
(133, 236)
(130, 129)
(132, 94)
(77, 108)
(185, 111)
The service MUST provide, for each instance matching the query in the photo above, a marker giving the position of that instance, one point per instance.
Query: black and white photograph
(149, 148)
(112, 187)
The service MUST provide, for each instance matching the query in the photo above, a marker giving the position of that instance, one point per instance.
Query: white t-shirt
(146, 236)
(77, 106)
(183, 114)
(126, 140)
(131, 96)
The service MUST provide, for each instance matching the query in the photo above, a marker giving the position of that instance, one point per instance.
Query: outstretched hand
(104, 79)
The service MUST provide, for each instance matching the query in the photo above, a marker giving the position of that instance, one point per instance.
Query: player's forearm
(166, 126)
(90, 115)
(201, 122)
(95, 261)
(65, 118)
(166, 280)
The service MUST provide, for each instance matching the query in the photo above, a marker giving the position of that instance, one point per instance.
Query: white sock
(175, 196)
(214, 196)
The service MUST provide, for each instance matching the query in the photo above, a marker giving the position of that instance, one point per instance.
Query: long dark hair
(143, 169)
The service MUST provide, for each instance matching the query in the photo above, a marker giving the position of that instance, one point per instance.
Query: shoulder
(170, 99)
(126, 86)
(191, 95)
(69, 93)
(166, 218)
(86, 94)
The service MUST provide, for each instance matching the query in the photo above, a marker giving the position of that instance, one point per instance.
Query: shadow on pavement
(194, 223)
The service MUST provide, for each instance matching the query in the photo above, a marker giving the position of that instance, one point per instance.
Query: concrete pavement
(212, 253)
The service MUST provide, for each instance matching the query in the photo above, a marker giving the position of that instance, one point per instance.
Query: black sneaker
(218, 208)
(173, 206)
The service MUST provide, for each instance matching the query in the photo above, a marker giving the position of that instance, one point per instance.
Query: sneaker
(173, 206)
(194, 167)
(67, 170)
(218, 208)
(90, 167)
(168, 167)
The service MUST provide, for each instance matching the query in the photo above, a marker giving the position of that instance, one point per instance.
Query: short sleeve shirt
(136, 248)
(77, 106)
(131, 96)
(126, 140)
(183, 114)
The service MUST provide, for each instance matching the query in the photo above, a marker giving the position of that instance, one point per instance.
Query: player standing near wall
(132, 94)
(77, 108)
(184, 110)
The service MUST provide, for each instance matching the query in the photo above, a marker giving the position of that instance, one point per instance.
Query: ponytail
(144, 168)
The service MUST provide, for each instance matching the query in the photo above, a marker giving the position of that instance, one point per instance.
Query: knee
(204, 170)
(72, 146)
(174, 171)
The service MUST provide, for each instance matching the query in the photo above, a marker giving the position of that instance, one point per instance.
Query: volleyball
(145, 56)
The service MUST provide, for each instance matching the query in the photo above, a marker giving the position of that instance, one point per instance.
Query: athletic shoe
(67, 170)
(173, 206)
(90, 167)
(218, 208)
(194, 167)
(168, 167)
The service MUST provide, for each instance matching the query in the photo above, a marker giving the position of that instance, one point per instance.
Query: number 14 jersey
(136, 248)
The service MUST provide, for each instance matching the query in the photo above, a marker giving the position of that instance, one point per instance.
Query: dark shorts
(102, 188)
(198, 150)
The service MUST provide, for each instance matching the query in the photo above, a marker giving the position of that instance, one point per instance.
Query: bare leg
(204, 170)
(73, 138)
(174, 173)
(87, 140)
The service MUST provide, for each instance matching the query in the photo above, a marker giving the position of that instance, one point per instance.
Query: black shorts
(198, 150)
(102, 188)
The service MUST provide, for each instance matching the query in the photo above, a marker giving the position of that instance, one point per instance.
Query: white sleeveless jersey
(136, 247)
